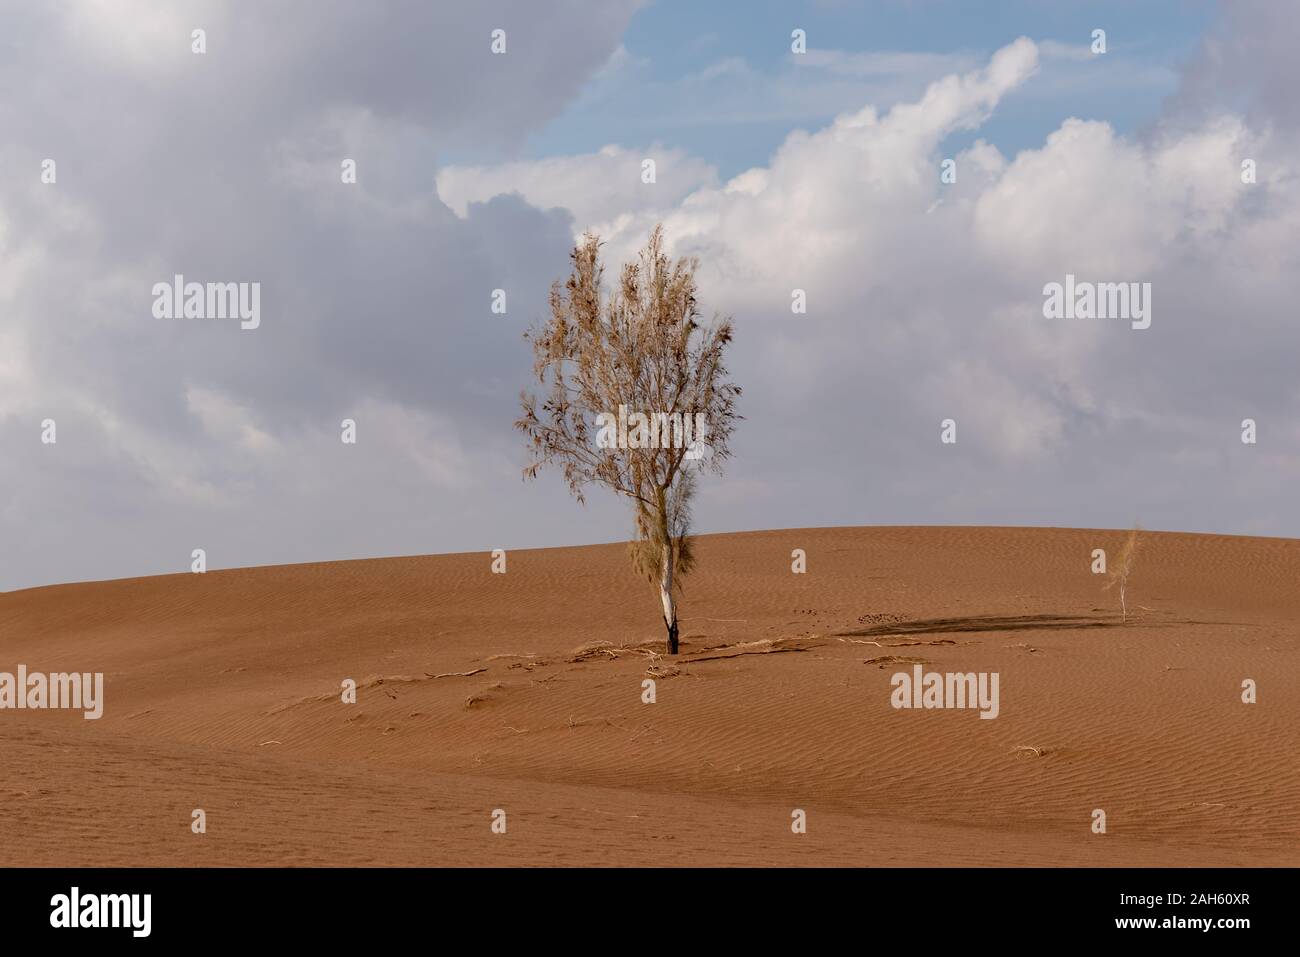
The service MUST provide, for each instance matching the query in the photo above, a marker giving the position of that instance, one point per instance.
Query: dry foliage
(642, 346)
(1118, 570)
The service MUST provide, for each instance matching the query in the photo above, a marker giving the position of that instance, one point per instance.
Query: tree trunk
(669, 602)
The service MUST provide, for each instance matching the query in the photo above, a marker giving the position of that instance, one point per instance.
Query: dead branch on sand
(372, 681)
(1029, 749)
(763, 646)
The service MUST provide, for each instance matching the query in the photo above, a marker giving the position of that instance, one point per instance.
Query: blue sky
(697, 77)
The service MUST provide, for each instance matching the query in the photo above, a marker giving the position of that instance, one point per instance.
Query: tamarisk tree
(637, 400)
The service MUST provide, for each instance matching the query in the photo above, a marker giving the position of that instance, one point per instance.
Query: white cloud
(428, 441)
(227, 420)
(596, 187)
(140, 35)
(915, 317)
(1092, 202)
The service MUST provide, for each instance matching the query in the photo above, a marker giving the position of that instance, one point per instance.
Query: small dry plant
(1121, 568)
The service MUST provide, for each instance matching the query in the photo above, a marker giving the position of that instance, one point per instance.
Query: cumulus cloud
(596, 188)
(225, 166)
(925, 302)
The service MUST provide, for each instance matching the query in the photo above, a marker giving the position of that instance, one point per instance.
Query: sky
(817, 171)
(728, 88)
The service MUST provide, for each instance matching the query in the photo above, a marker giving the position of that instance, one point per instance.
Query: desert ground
(523, 692)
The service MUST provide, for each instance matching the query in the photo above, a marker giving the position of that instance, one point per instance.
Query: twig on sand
(372, 681)
(1030, 749)
(764, 646)
(456, 674)
(596, 720)
(884, 660)
(614, 652)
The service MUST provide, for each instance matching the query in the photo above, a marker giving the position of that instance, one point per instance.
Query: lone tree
(636, 361)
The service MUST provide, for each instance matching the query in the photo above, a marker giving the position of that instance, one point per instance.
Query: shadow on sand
(939, 626)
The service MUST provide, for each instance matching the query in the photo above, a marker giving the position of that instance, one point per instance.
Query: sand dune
(523, 692)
